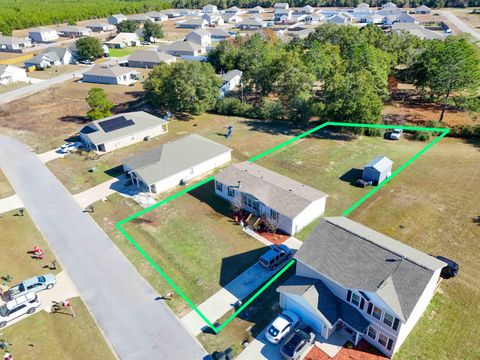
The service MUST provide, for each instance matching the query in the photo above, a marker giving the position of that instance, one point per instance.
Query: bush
(232, 106)
(267, 110)
(465, 131)
(421, 136)
(374, 132)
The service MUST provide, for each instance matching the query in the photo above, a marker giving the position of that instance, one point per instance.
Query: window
(231, 191)
(388, 319)
(382, 339)
(355, 299)
(372, 333)
(377, 312)
(219, 186)
(273, 215)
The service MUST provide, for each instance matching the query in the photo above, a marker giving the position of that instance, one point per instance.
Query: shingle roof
(328, 307)
(180, 46)
(173, 157)
(380, 163)
(219, 32)
(417, 30)
(359, 258)
(41, 29)
(193, 21)
(150, 56)
(142, 121)
(108, 70)
(278, 192)
(10, 40)
(231, 74)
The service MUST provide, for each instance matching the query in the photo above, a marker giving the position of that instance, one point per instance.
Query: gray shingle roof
(150, 56)
(11, 40)
(417, 30)
(142, 121)
(359, 258)
(328, 307)
(173, 157)
(231, 75)
(287, 196)
(180, 46)
(219, 32)
(380, 163)
(109, 70)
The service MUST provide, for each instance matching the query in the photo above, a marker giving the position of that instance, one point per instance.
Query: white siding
(311, 212)
(299, 306)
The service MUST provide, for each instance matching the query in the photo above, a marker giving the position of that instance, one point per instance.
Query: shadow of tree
(476, 220)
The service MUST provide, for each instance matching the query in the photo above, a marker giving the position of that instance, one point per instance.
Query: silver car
(32, 285)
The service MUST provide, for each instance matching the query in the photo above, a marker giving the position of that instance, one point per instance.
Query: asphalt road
(463, 27)
(135, 324)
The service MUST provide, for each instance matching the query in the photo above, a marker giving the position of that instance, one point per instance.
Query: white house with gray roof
(218, 35)
(184, 49)
(12, 43)
(43, 34)
(361, 284)
(288, 204)
(193, 23)
(116, 19)
(149, 59)
(73, 31)
(231, 80)
(200, 37)
(98, 26)
(175, 162)
(117, 131)
(110, 73)
(51, 57)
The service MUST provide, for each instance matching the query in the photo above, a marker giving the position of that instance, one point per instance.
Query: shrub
(374, 132)
(465, 131)
(267, 110)
(232, 106)
(421, 136)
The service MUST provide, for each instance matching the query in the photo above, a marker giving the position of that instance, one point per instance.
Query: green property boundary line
(443, 132)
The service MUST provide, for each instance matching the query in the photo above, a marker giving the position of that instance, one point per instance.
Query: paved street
(122, 302)
(460, 24)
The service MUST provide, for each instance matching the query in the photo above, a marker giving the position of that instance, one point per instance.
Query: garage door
(306, 316)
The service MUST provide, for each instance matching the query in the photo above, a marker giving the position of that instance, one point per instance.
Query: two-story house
(286, 203)
(360, 283)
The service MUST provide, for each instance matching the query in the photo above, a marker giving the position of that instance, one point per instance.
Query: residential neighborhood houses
(228, 217)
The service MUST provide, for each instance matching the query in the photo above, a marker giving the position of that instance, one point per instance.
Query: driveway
(122, 302)
(260, 349)
(101, 191)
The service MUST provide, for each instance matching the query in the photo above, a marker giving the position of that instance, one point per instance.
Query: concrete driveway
(10, 203)
(135, 324)
(260, 349)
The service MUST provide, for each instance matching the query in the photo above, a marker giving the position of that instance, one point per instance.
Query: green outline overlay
(443, 132)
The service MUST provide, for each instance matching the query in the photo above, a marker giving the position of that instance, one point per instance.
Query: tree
(152, 30)
(449, 68)
(127, 26)
(100, 104)
(224, 57)
(189, 86)
(89, 48)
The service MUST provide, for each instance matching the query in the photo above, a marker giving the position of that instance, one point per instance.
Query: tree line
(339, 73)
(23, 14)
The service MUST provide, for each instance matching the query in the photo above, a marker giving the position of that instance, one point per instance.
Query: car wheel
(3, 324)
(49, 286)
(31, 310)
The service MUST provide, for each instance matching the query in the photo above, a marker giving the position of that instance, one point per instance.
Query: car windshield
(41, 279)
(3, 310)
(21, 287)
(273, 331)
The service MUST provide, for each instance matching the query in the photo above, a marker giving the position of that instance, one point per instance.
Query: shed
(377, 170)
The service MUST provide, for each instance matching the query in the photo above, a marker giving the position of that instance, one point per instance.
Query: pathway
(135, 324)
(10, 203)
(100, 191)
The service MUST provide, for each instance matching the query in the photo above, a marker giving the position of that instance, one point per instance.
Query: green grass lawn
(247, 140)
(57, 336)
(121, 52)
(5, 188)
(434, 206)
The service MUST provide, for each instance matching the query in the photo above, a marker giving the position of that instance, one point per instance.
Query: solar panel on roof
(115, 124)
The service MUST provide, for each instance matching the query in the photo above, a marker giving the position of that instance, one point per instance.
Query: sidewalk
(10, 203)
(100, 192)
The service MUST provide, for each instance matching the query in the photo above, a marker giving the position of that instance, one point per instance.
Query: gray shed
(377, 170)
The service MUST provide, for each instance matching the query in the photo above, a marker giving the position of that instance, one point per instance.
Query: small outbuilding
(377, 170)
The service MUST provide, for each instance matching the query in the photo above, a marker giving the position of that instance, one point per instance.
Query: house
(417, 30)
(231, 18)
(100, 26)
(306, 10)
(116, 19)
(218, 35)
(173, 14)
(123, 40)
(405, 19)
(281, 6)
(234, 10)
(157, 16)
(281, 14)
(149, 59)
(43, 34)
(390, 9)
(230, 80)
(389, 5)
(256, 10)
(303, 33)
(251, 24)
(372, 19)
(339, 19)
(12, 74)
(288, 204)
(110, 73)
(51, 57)
(194, 23)
(200, 36)
(360, 284)
(362, 8)
(422, 9)
(175, 163)
(11, 43)
(183, 49)
(213, 19)
(140, 18)
(390, 19)
(377, 170)
(117, 131)
(73, 31)
(314, 18)
(209, 9)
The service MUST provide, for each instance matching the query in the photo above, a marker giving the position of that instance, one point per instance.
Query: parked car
(281, 326)
(25, 304)
(364, 183)
(396, 134)
(70, 146)
(146, 43)
(448, 31)
(275, 256)
(449, 271)
(86, 62)
(32, 285)
(297, 343)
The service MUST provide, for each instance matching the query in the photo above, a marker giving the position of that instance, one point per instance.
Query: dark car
(297, 343)
(363, 183)
(449, 271)
(275, 256)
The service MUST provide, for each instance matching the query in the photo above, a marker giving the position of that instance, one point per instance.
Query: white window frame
(384, 317)
(386, 341)
(218, 186)
(375, 332)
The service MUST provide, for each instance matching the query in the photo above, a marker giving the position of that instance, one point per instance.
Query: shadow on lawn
(351, 176)
(206, 194)
(232, 266)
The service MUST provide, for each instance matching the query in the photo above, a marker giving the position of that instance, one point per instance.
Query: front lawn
(122, 52)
